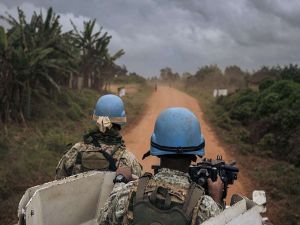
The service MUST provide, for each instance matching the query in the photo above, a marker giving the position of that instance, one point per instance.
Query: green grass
(30, 152)
(278, 178)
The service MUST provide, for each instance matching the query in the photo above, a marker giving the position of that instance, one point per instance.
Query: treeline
(212, 76)
(37, 58)
(233, 77)
(130, 78)
(209, 76)
(269, 116)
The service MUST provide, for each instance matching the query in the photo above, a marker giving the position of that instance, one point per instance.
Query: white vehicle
(77, 200)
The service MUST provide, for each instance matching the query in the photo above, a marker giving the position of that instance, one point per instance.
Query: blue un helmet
(110, 106)
(177, 131)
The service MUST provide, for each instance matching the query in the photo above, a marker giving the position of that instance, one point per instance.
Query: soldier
(103, 148)
(169, 197)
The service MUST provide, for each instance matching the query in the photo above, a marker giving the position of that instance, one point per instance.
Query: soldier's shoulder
(122, 147)
(131, 186)
(125, 189)
(80, 147)
(127, 153)
(75, 149)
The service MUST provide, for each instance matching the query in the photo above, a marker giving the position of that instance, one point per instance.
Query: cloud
(29, 8)
(187, 34)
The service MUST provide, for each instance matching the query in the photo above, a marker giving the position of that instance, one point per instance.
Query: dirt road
(138, 137)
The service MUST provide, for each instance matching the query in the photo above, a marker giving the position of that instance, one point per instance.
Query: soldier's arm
(216, 189)
(137, 168)
(60, 169)
(128, 159)
(106, 211)
(66, 163)
(115, 208)
(205, 209)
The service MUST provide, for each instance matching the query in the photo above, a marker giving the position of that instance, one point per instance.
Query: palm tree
(5, 74)
(39, 60)
(36, 58)
(92, 45)
(109, 68)
(95, 56)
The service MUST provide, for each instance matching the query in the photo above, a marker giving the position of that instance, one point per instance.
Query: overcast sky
(186, 34)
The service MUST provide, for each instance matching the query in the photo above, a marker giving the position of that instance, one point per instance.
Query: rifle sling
(143, 181)
(194, 194)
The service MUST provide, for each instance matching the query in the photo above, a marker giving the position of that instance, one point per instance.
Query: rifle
(209, 168)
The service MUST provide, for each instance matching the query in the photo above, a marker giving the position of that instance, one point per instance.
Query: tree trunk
(28, 101)
(95, 83)
(71, 80)
(85, 80)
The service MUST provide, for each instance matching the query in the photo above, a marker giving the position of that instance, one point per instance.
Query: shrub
(294, 153)
(270, 116)
(55, 141)
(265, 84)
(266, 141)
(268, 104)
(243, 112)
(74, 112)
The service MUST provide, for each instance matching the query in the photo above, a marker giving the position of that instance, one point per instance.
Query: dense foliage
(37, 57)
(260, 120)
(270, 116)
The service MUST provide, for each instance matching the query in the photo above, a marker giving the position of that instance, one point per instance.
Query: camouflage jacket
(116, 209)
(68, 166)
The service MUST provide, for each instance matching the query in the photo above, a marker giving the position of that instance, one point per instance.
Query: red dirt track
(137, 138)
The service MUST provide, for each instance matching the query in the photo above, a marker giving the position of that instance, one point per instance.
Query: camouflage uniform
(118, 208)
(67, 165)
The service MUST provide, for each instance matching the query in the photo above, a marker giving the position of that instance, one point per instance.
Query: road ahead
(137, 138)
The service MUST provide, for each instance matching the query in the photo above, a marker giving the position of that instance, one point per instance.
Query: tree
(290, 72)
(264, 73)
(206, 71)
(110, 69)
(209, 77)
(235, 76)
(35, 60)
(95, 60)
(167, 74)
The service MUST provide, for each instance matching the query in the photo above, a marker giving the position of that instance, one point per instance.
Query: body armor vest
(158, 209)
(95, 159)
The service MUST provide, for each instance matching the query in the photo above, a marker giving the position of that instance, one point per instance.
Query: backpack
(96, 159)
(153, 210)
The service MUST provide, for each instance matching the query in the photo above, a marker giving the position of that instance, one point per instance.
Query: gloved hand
(216, 189)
